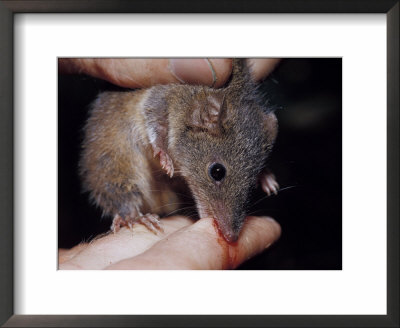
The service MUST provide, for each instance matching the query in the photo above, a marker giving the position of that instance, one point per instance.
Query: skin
(140, 73)
(184, 244)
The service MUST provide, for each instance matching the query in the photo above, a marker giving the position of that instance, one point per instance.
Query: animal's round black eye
(217, 171)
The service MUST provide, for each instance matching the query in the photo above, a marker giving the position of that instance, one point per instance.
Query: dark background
(307, 160)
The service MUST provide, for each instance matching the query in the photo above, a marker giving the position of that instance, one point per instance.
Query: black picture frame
(7, 11)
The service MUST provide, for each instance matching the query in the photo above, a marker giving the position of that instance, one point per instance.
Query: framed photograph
(335, 94)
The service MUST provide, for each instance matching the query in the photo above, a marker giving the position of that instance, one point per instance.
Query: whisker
(264, 210)
(177, 193)
(254, 212)
(185, 195)
(158, 207)
(179, 209)
(261, 199)
(191, 214)
(279, 191)
(286, 188)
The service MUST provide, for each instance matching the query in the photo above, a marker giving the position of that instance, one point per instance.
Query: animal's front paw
(150, 221)
(268, 183)
(165, 161)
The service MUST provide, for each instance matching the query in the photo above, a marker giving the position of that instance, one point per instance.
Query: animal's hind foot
(268, 183)
(150, 221)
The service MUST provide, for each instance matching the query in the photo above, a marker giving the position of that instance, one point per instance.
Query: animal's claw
(269, 183)
(150, 221)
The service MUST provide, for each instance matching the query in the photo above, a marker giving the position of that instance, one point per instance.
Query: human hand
(140, 73)
(182, 245)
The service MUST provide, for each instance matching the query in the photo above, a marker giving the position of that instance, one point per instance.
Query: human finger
(201, 246)
(65, 255)
(140, 73)
(111, 248)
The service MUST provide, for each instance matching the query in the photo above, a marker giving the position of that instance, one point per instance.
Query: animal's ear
(270, 127)
(155, 110)
(207, 113)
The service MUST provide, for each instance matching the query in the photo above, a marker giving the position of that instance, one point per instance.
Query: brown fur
(195, 126)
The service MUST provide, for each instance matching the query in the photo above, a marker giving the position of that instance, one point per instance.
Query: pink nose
(226, 232)
(230, 236)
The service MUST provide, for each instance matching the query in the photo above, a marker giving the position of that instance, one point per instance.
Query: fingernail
(269, 244)
(270, 219)
(193, 71)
